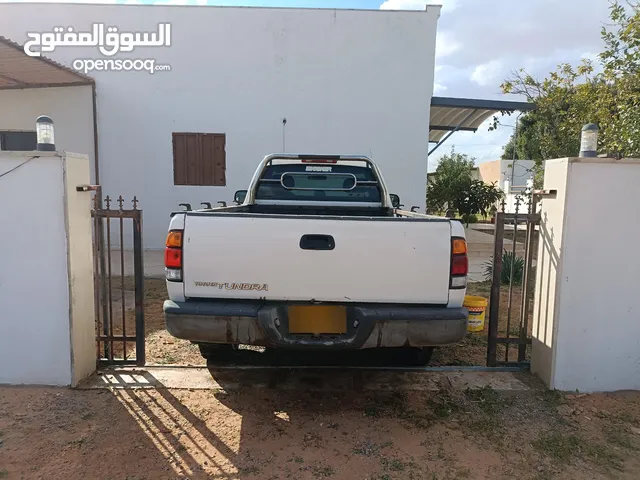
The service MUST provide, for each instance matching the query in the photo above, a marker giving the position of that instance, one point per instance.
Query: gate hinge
(545, 193)
(87, 188)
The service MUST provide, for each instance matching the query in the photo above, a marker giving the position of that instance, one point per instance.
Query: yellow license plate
(317, 319)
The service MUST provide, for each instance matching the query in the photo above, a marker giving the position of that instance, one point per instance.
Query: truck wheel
(214, 351)
(422, 356)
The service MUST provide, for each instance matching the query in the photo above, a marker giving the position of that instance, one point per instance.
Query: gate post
(585, 324)
(494, 304)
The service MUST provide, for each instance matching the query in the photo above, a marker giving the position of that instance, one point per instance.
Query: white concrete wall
(71, 109)
(76, 169)
(548, 270)
(587, 333)
(46, 295)
(353, 82)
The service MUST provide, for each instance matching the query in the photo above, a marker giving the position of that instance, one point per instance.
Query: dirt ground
(270, 434)
(267, 433)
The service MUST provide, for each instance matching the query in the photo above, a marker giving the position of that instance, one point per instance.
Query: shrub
(467, 219)
(508, 259)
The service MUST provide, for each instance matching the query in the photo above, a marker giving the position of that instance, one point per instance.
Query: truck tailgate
(382, 260)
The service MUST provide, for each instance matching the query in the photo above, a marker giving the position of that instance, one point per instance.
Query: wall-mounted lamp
(45, 134)
(589, 140)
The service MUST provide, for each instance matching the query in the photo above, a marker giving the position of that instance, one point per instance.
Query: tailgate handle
(317, 242)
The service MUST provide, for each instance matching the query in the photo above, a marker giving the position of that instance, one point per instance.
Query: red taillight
(319, 160)
(173, 257)
(459, 265)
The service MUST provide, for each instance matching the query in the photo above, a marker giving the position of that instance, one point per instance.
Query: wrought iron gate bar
(520, 339)
(112, 346)
(512, 341)
(494, 302)
(522, 217)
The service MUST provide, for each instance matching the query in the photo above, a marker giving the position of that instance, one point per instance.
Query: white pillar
(586, 326)
(47, 320)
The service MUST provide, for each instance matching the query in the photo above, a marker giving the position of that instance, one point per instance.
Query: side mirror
(239, 197)
(395, 200)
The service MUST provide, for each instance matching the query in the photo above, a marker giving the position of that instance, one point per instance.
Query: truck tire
(422, 356)
(215, 351)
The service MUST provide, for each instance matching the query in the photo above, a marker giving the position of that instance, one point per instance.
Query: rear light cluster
(173, 256)
(318, 159)
(459, 263)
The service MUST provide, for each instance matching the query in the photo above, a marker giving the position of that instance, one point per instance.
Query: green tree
(453, 169)
(572, 96)
(453, 188)
(527, 143)
(563, 106)
(476, 197)
(621, 80)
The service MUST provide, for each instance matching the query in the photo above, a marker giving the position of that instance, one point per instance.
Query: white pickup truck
(318, 255)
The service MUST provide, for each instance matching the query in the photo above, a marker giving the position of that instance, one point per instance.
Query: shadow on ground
(271, 433)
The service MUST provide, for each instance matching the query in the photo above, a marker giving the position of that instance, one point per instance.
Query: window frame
(5, 133)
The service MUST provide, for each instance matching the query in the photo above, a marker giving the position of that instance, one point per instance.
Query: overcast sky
(479, 42)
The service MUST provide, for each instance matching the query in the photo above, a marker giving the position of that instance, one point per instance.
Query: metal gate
(513, 282)
(119, 281)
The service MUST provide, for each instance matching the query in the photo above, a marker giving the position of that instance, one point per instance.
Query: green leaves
(475, 196)
(454, 188)
(510, 262)
(453, 169)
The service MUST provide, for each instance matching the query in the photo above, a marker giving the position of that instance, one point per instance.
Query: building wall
(500, 170)
(490, 171)
(352, 82)
(521, 172)
(587, 334)
(70, 108)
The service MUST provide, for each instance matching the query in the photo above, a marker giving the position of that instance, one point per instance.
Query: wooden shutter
(199, 159)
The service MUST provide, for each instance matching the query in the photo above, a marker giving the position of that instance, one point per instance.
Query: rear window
(305, 182)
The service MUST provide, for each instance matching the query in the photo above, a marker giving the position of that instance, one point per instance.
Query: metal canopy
(19, 70)
(450, 115)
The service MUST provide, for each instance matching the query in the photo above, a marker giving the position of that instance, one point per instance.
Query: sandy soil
(271, 434)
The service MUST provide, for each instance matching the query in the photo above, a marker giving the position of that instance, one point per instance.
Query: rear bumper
(368, 326)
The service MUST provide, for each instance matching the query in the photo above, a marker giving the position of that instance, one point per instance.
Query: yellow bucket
(477, 307)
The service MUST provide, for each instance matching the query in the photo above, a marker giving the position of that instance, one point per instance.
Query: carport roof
(450, 115)
(19, 70)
